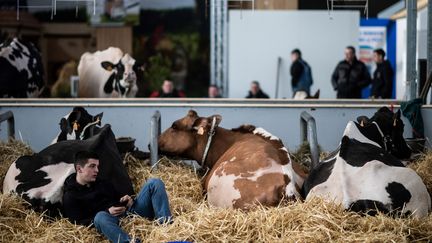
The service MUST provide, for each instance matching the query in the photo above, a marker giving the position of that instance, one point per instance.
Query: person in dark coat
(167, 91)
(301, 73)
(350, 76)
(255, 92)
(88, 200)
(382, 83)
(213, 92)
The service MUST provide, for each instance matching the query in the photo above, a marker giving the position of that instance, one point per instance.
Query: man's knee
(156, 183)
(101, 218)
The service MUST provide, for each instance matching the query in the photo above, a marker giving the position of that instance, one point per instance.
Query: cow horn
(394, 122)
(362, 123)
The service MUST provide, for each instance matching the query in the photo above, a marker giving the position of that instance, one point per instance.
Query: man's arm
(365, 78)
(296, 71)
(335, 77)
(388, 82)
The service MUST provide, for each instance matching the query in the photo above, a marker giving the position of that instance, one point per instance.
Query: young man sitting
(88, 200)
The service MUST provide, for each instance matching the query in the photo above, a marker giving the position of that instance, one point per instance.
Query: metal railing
(10, 123)
(308, 133)
(155, 131)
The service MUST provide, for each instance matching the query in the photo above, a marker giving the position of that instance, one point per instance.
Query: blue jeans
(151, 202)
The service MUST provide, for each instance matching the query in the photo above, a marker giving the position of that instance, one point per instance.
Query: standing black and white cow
(21, 70)
(39, 178)
(108, 73)
(364, 176)
(78, 124)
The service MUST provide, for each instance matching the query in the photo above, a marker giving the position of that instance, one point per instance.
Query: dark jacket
(382, 83)
(349, 80)
(258, 95)
(82, 203)
(174, 94)
(301, 76)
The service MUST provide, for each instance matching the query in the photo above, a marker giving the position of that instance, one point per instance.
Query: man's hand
(116, 211)
(128, 199)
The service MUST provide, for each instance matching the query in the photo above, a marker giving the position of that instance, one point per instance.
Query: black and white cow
(21, 70)
(39, 178)
(108, 73)
(78, 124)
(364, 176)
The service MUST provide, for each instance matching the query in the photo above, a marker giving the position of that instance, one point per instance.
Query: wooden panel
(120, 37)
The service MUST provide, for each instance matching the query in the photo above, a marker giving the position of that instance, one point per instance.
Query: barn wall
(38, 122)
(258, 38)
(120, 37)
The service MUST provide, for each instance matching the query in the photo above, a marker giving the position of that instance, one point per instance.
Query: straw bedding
(314, 221)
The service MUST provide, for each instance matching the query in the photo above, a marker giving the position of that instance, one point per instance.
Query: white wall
(401, 50)
(256, 39)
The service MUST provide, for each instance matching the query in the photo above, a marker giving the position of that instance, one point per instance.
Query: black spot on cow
(357, 154)
(398, 194)
(369, 207)
(317, 175)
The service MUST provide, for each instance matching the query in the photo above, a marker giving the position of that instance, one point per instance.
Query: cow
(62, 87)
(301, 95)
(108, 73)
(246, 166)
(39, 178)
(78, 124)
(21, 70)
(365, 176)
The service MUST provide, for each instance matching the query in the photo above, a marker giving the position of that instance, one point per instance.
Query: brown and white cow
(108, 73)
(247, 165)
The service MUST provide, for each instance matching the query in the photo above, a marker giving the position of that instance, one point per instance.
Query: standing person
(213, 92)
(255, 91)
(382, 83)
(88, 200)
(167, 91)
(350, 76)
(301, 73)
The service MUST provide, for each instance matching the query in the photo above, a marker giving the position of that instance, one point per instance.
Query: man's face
(213, 92)
(167, 87)
(294, 57)
(349, 55)
(254, 88)
(377, 58)
(89, 172)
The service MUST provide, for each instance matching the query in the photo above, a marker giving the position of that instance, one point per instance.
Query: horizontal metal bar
(34, 6)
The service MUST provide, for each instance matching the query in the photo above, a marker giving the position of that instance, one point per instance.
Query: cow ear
(363, 120)
(98, 117)
(64, 126)
(109, 66)
(203, 125)
(192, 113)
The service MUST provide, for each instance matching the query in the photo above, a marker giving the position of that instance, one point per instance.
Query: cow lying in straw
(246, 166)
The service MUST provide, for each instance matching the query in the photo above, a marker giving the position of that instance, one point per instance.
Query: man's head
(213, 91)
(378, 55)
(167, 87)
(349, 54)
(255, 87)
(295, 55)
(86, 166)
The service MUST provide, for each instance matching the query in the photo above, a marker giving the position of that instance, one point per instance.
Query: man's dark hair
(296, 51)
(82, 157)
(256, 83)
(352, 49)
(380, 52)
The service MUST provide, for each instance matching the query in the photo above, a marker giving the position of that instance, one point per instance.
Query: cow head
(187, 136)
(78, 124)
(390, 131)
(123, 77)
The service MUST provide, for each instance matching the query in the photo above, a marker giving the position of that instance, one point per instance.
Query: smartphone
(121, 204)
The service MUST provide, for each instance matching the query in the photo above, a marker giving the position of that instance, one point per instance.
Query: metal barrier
(10, 121)
(155, 131)
(308, 133)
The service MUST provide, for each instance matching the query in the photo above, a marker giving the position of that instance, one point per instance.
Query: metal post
(212, 41)
(224, 48)
(308, 133)
(411, 91)
(10, 123)
(429, 41)
(278, 67)
(155, 131)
